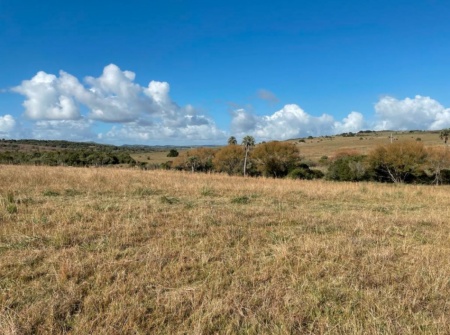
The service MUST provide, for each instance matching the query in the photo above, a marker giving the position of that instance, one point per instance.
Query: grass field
(123, 251)
(153, 158)
(313, 149)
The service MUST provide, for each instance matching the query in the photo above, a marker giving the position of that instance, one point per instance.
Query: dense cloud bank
(114, 108)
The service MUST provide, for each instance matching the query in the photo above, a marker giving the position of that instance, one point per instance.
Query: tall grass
(110, 251)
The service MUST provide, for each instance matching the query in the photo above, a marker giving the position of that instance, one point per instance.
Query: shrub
(199, 159)
(166, 165)
(304, 172)
(349, 168)
(398, 162)
(173, 153)
(276, 159)
(445, 176)
(229, 159)
(438, 161)
(324, 160)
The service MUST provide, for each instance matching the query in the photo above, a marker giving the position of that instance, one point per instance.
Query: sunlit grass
(122, 251)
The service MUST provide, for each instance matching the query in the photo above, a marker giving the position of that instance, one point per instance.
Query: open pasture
(313, 149)
(125, 251)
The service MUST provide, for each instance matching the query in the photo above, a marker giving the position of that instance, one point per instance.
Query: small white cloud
(354, 122)
(159, 92)
(7, 125)
(292, 122)
(417, 113)
(267, 95)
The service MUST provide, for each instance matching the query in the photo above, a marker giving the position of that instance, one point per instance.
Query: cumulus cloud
(291, 122)
(267, 95)
(411, 113)
(48, 98)
(62, 106)
(7, 125)
(354, 122)
(71, 130)
(112, 97)
(193, 131)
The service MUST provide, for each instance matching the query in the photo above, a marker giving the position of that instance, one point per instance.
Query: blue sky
(197, 72)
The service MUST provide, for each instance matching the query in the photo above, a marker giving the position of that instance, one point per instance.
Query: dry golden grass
(121, 251)
(315, 148)
(154, 157)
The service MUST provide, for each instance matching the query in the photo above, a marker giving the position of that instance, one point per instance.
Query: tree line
(80, 157)
(270, 159)
(398, 162)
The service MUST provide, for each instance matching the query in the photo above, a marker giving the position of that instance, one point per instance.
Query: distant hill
(311, 148)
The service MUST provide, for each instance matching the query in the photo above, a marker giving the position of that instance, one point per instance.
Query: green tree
(232, 141)
(398, 162)
(199, 159)
(276, 159)
(173, 153)
(444, 134)
(438, 161)
(348, 168)
(304, 172)
(193, 163)
(229, 159)
(248, 142)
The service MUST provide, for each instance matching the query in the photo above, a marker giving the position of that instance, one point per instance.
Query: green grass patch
(241, 200)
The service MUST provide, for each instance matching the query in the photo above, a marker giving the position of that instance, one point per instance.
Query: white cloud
(354, 122)
(48, 98)
(243, 122)
(112, 97)
(71, 130)
(7, 125)
(267, 95)
(64, 107)
(292, 122)
(159, 92)
(192, 131)
(417, 113)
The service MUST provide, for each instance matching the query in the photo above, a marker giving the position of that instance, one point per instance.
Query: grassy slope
(314, 149)
(155, 157)
(110, 251)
